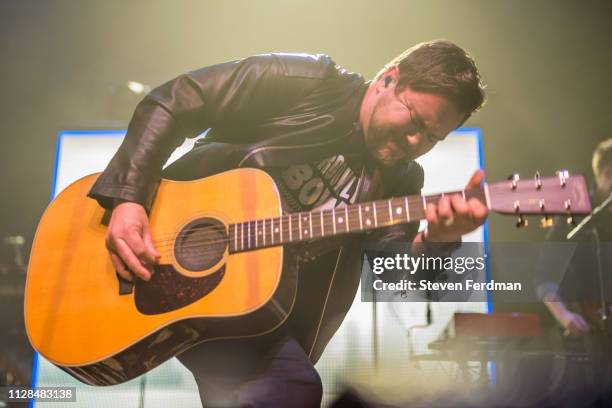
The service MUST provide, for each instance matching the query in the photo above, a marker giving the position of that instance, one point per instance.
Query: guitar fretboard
(309, 225)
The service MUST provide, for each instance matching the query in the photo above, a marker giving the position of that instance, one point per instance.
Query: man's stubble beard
(383, 141)
(382, 144)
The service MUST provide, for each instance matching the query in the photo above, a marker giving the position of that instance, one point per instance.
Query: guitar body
(81, 317)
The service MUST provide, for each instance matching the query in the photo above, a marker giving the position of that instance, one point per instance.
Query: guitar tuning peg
(542, 205)
(563, 176)
(570, 218)
(546, 222)
(538, 180)
(514, 178)
(521, 222)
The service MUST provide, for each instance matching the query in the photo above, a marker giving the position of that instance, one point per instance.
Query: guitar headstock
(545, 196)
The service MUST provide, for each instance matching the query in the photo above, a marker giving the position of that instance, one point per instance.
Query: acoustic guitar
(222, 243)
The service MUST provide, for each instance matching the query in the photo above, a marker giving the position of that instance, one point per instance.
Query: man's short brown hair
(440, 67)
(602, 156)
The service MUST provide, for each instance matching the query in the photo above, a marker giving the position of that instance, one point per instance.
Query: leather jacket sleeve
(226, 96)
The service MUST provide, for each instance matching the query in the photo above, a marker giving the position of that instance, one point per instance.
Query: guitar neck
(354, 218)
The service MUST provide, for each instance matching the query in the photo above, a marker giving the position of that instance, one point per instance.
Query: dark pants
(268, 371)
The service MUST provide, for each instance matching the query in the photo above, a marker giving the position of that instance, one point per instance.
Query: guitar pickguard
(169, 290)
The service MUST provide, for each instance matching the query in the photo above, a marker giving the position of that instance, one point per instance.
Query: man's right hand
(129, 242)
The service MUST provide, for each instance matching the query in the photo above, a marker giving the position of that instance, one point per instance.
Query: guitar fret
(375, 218)
(347, 218)
(235, 237)
(424, 203)
(312, 234)
(360, 218)
(256, 234)
(322, 227)
(334, 220)
(407, 209)
(300, 225)
(249, 235)
(390, 211)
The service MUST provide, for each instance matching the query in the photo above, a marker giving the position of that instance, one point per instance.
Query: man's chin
(389, 153)
(387, 159)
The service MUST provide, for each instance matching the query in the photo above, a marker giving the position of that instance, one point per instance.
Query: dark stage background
(547, 65)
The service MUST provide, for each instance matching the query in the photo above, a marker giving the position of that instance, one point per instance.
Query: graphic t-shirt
(329, 183)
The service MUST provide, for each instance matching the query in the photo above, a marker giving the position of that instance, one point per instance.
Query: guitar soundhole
(200, 244)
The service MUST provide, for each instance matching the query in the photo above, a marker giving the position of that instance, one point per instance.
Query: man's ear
(390, 77)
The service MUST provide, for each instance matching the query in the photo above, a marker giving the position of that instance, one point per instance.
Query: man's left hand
(453, 216)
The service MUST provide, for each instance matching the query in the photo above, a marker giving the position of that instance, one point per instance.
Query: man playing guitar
(329, 139)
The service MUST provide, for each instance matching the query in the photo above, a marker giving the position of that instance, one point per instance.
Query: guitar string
(203, 235)
(326, 213)
(316, 214)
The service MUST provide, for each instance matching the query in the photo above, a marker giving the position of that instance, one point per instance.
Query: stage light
(138, 87)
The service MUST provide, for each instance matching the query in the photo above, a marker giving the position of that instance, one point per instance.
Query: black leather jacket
(266, 110)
